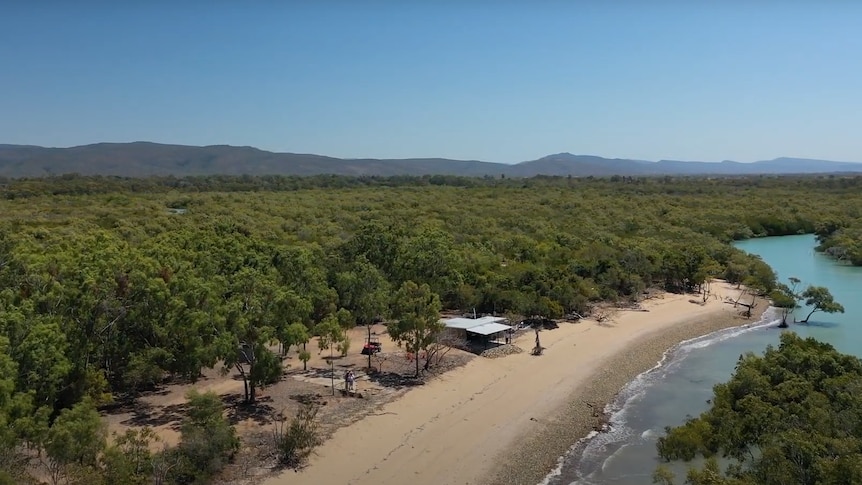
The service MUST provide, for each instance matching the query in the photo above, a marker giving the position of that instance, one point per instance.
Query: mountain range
(141, 159)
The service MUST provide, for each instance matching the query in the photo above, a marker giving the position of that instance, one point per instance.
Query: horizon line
(565, 153)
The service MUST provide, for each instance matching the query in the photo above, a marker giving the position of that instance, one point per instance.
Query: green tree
(302, 271)
(416, 310)
(821, 300)
(429, 255)
(295, 311)
(331, 335)
(364, 291)
(207, 442)
(294, 334)
(296, 443)
(256, 306)
(792, 415)
(786, 298)
(43, 363)
(783, 299)
(129, 459)
(304, 356)
(75, 441)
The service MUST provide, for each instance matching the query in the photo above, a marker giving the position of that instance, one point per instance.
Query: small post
(332, 369)
(370, 349)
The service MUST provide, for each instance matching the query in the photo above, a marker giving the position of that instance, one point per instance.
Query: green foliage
(304, 356)
(255, 306)
(267, 370)
(43, 364)
(294, 334)
(416, 310)
(129, 460)
(104, 292)
(820, 299)
(146, 368)
(208, 442)
(793, 415)
(363, 290)
(296, 443)
(77, 435)
(784, 299)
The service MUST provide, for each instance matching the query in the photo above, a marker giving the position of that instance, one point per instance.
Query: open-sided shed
(485, 329)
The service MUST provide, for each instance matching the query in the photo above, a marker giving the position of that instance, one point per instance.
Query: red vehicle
(372, 346)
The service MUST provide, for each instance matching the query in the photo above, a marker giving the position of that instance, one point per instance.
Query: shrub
(208, 441)
(296, 443)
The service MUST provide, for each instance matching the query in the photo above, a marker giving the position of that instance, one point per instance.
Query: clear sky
(501, 81)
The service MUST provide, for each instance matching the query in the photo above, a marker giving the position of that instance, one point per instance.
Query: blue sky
(498, 81)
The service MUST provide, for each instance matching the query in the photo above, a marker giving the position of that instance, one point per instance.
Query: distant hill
(140, 159)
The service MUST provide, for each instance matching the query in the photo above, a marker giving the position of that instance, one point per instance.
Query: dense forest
(110, 285)
(792, 415)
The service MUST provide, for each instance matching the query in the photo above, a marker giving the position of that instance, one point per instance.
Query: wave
(616, 433)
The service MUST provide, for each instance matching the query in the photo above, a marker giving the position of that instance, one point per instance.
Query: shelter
(485, 329)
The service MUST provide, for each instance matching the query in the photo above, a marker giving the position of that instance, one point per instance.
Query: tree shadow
(394, 380)
(261, 411)
(818, 324)
(317, 372)
(144, 414)
(307, 398)
(127, 401)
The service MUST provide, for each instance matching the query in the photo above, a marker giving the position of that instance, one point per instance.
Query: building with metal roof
(484, 329)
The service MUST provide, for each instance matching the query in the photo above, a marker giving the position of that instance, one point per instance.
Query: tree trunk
(809, 315)
(244, 381)
(250, 397)
(416, 357)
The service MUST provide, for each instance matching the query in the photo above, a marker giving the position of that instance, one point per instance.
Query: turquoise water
(682, 384)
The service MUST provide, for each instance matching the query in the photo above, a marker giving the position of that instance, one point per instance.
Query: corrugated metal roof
(465, 323)
(489, 328)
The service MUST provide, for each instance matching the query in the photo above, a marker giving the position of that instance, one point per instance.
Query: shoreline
(538, 455)
(509, 420)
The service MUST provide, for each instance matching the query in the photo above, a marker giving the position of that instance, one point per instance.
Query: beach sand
(507, 420)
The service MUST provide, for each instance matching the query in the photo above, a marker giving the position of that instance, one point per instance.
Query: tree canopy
(792, 415)
(820, 299)
(416, 314)
(107, 290)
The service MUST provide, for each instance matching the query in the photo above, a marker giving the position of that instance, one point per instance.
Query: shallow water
(682, 384)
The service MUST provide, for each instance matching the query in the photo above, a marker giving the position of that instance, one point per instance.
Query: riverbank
(531, 459)
(505, 421)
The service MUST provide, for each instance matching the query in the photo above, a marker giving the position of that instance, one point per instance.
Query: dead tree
(435, 352)
(537, 350)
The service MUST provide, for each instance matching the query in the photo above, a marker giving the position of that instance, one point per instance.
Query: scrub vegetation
(792, 415)
(111, 286)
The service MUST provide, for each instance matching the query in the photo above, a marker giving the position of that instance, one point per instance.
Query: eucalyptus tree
(416, 318)
(255, 303)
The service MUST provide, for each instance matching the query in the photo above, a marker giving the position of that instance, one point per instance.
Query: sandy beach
(507, 420)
